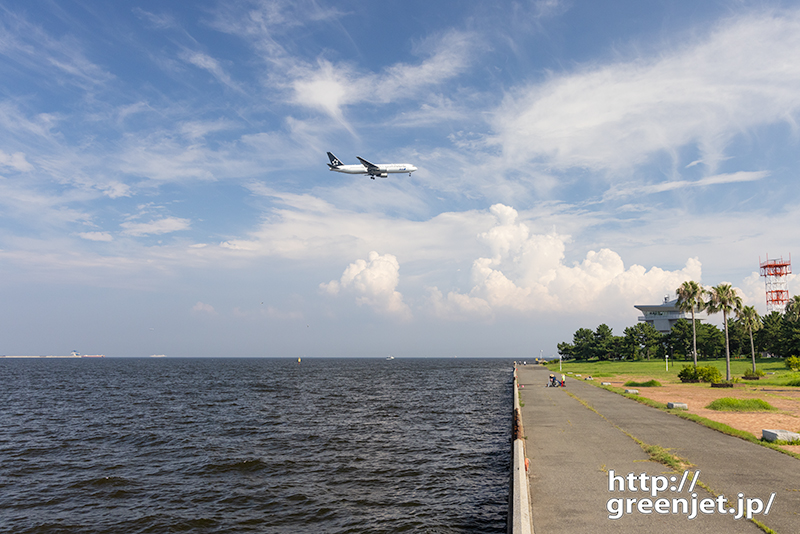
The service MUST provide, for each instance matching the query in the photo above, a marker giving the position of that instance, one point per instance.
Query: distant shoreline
(69, 356)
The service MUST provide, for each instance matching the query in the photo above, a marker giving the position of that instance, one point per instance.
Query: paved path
(572, 448)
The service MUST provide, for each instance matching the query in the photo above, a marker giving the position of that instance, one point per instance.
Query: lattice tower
(774, 273)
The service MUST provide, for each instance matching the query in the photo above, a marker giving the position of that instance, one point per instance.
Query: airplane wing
(371, 167)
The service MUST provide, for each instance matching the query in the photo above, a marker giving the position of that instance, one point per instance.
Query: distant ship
(390, 357)
(158, 355)
(76, 354)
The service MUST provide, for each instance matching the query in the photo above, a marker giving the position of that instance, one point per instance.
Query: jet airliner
(381, 169)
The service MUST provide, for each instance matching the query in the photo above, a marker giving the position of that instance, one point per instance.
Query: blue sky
(164, 188)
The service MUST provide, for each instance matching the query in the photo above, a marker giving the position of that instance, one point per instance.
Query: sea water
(124, 445)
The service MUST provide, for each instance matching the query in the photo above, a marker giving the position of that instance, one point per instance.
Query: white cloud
(161, 157)
(96, 236)
(115, 189)
(549, 8)
(160, 21)
(308, 227)
(202, 307)
(208, 63)
(15, 161)
(625, 190)
(160, 226)
(457, 306)
(526, 272)
(617, 116)
(199, 129)
(62, 59)
(374, 281)
(329, 88)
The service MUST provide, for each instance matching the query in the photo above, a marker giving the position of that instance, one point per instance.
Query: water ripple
(261, 445)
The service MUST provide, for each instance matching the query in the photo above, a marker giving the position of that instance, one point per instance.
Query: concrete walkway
(572, 448)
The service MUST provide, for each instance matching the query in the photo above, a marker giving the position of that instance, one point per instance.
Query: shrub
(648, 384)
(704, 374)
(793, 363)
(688, 373)
(709, 374)
(729, 404)
(751, 374)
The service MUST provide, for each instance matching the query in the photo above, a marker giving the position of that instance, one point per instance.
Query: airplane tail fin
(335, 162)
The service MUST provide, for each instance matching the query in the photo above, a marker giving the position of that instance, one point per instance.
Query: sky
(164, 185)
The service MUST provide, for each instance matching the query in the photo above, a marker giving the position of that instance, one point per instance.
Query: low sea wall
(519, 504)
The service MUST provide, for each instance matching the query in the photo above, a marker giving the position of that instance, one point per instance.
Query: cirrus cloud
(156, 227)
(617, 116)
(96, 236)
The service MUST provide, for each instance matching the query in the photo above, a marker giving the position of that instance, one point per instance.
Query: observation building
(663, 316)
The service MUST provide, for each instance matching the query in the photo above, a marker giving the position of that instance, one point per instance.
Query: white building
(663, 316)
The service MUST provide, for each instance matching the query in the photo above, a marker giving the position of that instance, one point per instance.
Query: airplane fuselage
(372, 169)
(383, 168)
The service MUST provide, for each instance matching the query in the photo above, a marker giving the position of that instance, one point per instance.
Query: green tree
(793, 308)
(629, 347)
(769, 337)
(690, 298)
(710, 341)
(723, 298)
(644, 338)
(603, 342)
(566, 350)
(790, 329)
(737, 334)
(583, 341)
(681, 339)
(751, 321)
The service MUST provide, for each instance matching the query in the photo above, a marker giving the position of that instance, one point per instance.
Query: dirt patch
(698, 396)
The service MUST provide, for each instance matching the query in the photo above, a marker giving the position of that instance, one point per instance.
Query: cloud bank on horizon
(163, 186)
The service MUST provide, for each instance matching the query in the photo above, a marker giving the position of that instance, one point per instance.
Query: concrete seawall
(519, 505)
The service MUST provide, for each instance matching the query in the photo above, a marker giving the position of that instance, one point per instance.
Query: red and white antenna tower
(774, 273)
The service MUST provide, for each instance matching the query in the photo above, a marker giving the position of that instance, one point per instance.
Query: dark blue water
(254, 445)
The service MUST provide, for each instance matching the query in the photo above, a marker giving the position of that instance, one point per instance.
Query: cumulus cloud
(617, 116)
(527, 272)
(157, 227)
(374, 282)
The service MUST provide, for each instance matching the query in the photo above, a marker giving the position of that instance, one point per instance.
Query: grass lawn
(656, 370)
(730, 404)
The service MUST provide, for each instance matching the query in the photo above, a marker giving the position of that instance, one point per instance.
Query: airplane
(382, 169)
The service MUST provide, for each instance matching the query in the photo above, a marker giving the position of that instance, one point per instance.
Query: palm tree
(690, 298)
(793, 308)
(750, 319)
(723, 298)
